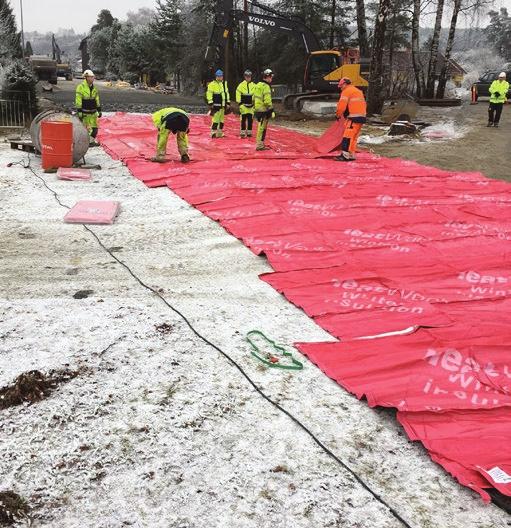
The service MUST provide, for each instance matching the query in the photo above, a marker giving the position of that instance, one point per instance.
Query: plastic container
(56, 144)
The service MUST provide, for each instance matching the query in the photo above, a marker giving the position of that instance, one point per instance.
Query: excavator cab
(319, 65)
(325, 68)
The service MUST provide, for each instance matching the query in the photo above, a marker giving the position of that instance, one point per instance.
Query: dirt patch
(83, 294)
(33, 386)
(478, 149)
(26, 236)
(280, 469)
(164, 328)
(12, 508)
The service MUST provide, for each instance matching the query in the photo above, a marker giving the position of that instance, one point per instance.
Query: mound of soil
(12, 508)
(33, 386)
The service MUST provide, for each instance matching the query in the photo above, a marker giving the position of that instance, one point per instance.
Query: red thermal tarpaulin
(407, 266)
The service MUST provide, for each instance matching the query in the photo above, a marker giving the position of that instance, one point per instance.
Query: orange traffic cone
(473, 95)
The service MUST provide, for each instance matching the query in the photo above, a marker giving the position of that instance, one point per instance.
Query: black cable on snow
(235, 364)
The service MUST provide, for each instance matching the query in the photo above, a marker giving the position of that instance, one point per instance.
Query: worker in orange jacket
(352, 106)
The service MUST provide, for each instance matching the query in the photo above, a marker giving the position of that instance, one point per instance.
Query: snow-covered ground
(159, 429)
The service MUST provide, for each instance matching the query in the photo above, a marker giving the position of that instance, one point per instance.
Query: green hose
(271, 360)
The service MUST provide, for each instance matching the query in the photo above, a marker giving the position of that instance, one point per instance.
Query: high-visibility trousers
(217, 120)
(90, 122)
(163, 138)
(262, 127)
(350, 137)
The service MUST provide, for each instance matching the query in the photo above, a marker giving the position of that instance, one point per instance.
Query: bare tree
(333, 9)
(442, 81)
(376, 91)
(433, 54)
(416, 60)
(363, 44)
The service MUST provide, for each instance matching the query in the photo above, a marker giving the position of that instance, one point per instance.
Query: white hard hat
(502, 74)
(88, 73)
(267, 72)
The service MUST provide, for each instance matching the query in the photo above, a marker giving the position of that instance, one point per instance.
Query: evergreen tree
(168, 27)
(19, 82)
(10, 42)
(105, 20)
(199, 15)
(99, 44)
(498, 32)
(135, 52)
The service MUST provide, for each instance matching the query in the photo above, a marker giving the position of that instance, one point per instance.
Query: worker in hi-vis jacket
(498, 96)
(351, 106)
(263, 106)
(88, 106)
(219, 103)
(175, 121)
(245, 100)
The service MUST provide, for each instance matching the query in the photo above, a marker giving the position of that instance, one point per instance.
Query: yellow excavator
(324, 68)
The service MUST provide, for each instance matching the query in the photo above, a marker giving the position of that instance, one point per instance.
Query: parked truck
(44, 68)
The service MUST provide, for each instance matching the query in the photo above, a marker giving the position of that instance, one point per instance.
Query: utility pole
(245, 37)
(22, 33)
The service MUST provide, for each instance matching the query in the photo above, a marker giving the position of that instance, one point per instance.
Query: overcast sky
(50, 15)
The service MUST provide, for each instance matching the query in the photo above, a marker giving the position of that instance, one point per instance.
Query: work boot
(343, 158)
(261, 146)
(158, 159)
(243, 134)
(219, 134)
(185, 158)
(93, 143)
(489, 124)
(496, 125)
(249, 134)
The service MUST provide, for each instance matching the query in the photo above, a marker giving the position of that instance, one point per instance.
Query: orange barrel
(56, 144)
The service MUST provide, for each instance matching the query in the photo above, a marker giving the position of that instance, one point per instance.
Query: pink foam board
(73, 174)
(93, 212)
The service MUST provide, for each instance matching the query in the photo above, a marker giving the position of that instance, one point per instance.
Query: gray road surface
(125, 99)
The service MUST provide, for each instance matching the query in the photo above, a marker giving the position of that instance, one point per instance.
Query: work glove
(100, 114)
(496, 94)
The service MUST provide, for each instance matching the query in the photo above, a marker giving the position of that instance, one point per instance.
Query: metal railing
(12, 114)
(14, 109)
(280, 91)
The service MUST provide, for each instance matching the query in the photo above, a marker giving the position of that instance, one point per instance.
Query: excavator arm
(258, 15)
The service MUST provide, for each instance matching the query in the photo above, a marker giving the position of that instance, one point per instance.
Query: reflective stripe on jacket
(244, 91)
(498, 87)
(87, 98)
(352, 104)
(218, 93)
(262, 97)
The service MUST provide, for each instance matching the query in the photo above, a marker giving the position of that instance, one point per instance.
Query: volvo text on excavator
(323, 69)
